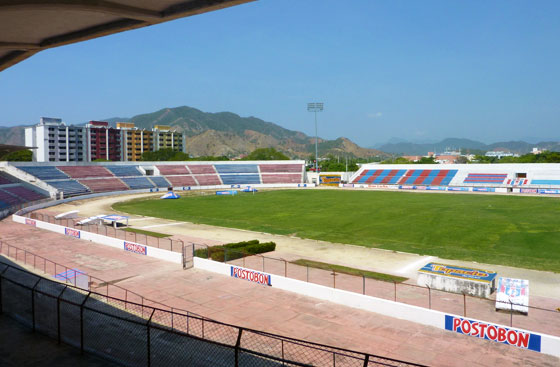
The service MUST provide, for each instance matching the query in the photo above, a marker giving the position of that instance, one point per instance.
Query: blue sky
(417, 70)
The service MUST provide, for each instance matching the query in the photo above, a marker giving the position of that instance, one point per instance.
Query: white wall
(549, 344)
(154, 252)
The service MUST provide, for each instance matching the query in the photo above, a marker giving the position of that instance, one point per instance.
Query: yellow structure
(137, 141)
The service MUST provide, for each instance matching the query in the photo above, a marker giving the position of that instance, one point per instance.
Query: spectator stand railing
(541, 318)
(141, 335)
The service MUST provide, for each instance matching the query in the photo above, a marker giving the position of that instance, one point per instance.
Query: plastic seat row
(70, 187)
(124, 171)
(497, 178)
(44, 173)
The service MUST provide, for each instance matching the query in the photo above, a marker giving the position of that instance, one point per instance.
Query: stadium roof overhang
(30, 26)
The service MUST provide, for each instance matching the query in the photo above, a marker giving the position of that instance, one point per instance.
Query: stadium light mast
(315, 107)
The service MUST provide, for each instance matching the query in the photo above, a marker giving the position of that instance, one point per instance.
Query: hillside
(520, 147)
(226, 133)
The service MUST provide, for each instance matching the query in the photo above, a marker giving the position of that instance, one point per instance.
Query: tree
(19, 156)
(166, 154)
(266, 154)
(426, 160)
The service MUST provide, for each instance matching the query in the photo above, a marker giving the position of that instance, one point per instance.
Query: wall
(154, 252)
(549, 344)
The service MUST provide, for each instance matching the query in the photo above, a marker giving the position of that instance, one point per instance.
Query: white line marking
(163, 225)
(138, 219)
(416, 264)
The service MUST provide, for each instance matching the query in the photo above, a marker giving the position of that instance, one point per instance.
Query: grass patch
(236, 250)
(351, 271)
(147, 233)
(515, 231)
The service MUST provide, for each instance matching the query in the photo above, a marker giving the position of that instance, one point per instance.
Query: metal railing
(133, 334)
(542, 318)
(165, 243)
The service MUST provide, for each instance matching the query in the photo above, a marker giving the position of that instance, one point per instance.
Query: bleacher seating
(104, 184)
(236, 168)
(70, 187)
(44, 172)
(160, 181)
(24, 193)
(201, 168)
(485, 178)
(545, 182)
(173, 170)
(428, 177)
(9, 198)
(124, 171)
(181, 180)
(4, 205)
(279, 178)
(85, 171)
(7, 179)
(382, 176)
(240, 179)
(208, 180)
(277, 168)
(136, 183)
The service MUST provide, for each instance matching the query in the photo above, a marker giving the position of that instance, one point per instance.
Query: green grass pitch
(509, 230)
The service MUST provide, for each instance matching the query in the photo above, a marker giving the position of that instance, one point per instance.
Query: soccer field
(509, 230)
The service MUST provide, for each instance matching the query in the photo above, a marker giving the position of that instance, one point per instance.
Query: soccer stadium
(264, 263)
(253, 304)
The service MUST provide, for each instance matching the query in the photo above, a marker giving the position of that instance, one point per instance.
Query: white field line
(415, 265)
(163, 225)
(139, 219)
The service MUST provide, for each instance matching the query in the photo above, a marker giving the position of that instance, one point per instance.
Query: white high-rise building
(57, 142)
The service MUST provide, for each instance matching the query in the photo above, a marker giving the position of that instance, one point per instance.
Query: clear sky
(418, 70)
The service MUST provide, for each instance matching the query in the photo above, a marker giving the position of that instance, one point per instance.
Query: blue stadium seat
(124, 171)
(236, 168)
(159, 181)
(70, 187)
(44, 172)
(136, 183)
(240, 179)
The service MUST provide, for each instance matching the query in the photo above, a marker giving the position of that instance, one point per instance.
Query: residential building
(104, 141)
(57, 142)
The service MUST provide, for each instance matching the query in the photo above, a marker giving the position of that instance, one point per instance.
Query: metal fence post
(510, 313)
(263, 263)
(464, 304)
(429, 296)
(33, 303)
(2, 273)
(395, 283)
(307, 266)
(285, 268)
(237, 344)
(58, 314)
(366, 360)
(363, 284)
(82, 323)
(148, 339)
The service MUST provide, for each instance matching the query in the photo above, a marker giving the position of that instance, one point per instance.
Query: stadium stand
(201, 168)
(70, 187)
(236, 168)
(159, 181)
(517, 181)
(485, 178)
(379, 176)
(277, 168)
(136, 183)
(9, 199)
(6, 179)
(44, 172)
(24, 193)
(124, 171)
(240, 179)
(545, 182)
(208, 180)
(104, 184)
(173, 170)
(285, 178)
(181, 180)
(85, 171)
(428, 177)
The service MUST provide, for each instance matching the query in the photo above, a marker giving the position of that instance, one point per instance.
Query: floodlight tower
(315, 107)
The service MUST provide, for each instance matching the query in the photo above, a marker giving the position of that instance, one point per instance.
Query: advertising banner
(457, 189)
(513, 294)
(484, 189)
(251, 275)
(72, 232)
(528, 191)
(549, 191)
(330, 180)
(496, 333)
(478, 275)
(136, 248)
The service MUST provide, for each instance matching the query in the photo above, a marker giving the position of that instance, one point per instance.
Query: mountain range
(399, 147)
(227, 134)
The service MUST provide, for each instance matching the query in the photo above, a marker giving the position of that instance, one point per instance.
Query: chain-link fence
(543, 318)
(133, 334)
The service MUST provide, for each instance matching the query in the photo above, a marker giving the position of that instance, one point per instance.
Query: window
(521, 175)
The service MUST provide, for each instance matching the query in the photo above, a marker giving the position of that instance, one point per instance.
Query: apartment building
(57, 142)
(136, 141)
